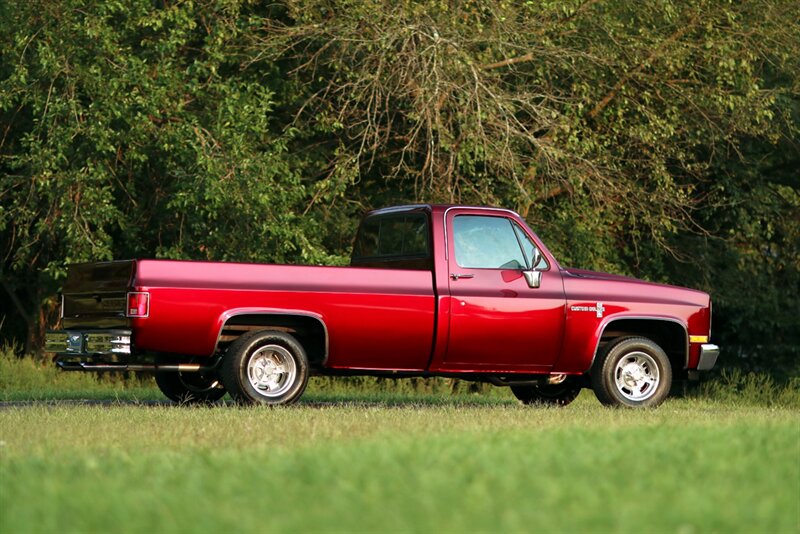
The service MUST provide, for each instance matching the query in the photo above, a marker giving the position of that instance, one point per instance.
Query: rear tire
(190, 388)
(266, 367)
(632, 372)
(548, 394)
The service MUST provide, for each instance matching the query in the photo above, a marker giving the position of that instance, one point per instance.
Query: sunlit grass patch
(362, 454)
(691, 465)
(28, 379)
(23, 379)
(760, 389)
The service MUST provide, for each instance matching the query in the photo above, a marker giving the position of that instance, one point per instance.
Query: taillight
(138, 304)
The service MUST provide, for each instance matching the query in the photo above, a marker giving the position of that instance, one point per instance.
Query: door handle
(455, 276)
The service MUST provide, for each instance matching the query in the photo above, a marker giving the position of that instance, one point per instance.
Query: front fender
(623, 325)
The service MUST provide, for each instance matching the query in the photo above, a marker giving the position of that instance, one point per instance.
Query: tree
(132, 131)
(658, 139)
(557, 109)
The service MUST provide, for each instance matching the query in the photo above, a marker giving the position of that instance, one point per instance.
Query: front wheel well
(309, 331)
(671, 336)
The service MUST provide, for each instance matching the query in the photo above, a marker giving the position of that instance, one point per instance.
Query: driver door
(497, 321)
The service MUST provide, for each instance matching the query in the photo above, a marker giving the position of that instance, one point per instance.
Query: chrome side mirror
(532, 276)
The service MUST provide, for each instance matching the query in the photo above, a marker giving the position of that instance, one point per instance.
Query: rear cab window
(394, 241)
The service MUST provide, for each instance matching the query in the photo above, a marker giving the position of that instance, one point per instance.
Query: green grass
(25, 379)
(688, 466)
(28, 379)
(351, 457)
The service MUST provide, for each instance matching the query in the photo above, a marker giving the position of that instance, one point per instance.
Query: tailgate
(95, 294)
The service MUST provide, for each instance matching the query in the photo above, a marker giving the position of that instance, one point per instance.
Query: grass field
(346, 459)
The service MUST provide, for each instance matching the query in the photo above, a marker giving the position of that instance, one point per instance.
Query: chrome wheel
(271, 370)
(636, 376)
(265, 367)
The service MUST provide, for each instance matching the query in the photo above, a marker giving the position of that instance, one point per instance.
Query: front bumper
(708, 357)
(90, 343)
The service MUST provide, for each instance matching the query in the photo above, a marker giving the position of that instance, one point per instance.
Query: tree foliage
(133, 131)
(657, 139)
(554, 109)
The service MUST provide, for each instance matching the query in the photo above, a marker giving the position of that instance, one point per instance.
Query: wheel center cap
(632, 374)
(265, 371)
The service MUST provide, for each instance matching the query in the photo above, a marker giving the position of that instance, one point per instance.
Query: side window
(483, 242)
(528, 247)
(394, 236)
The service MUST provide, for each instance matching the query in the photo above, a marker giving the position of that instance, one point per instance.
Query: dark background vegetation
(657, 139)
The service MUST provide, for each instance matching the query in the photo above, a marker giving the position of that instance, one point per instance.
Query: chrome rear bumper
(111, 350)
(88, 343)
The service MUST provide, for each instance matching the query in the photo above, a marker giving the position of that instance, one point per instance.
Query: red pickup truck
(432, 290)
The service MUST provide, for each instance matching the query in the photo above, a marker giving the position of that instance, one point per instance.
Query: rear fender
(283, 319)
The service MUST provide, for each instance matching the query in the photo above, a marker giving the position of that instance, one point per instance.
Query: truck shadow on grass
(81, 402)
(312, 403)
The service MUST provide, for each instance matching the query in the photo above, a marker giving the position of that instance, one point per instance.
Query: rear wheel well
(669, 335)
(309, 331)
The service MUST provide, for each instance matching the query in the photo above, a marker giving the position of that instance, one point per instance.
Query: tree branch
(606, 100)
(530, 55)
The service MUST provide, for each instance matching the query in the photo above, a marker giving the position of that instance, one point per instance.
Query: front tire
(632, 372)
(190, 388)
(548, 394)
(266, 367)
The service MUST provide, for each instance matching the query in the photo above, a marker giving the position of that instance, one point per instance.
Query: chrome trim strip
(612, 318)
(227, 316)
(710, 315)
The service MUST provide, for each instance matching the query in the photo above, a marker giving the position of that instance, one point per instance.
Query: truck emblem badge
(74, 343)
(598, 308)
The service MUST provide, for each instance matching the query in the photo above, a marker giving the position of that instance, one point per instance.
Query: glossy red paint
(375, 318)
(498, 323)
(622, 298)
(420, 321)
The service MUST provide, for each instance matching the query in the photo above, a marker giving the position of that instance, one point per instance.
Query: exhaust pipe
(549, 379)
(153, 368)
